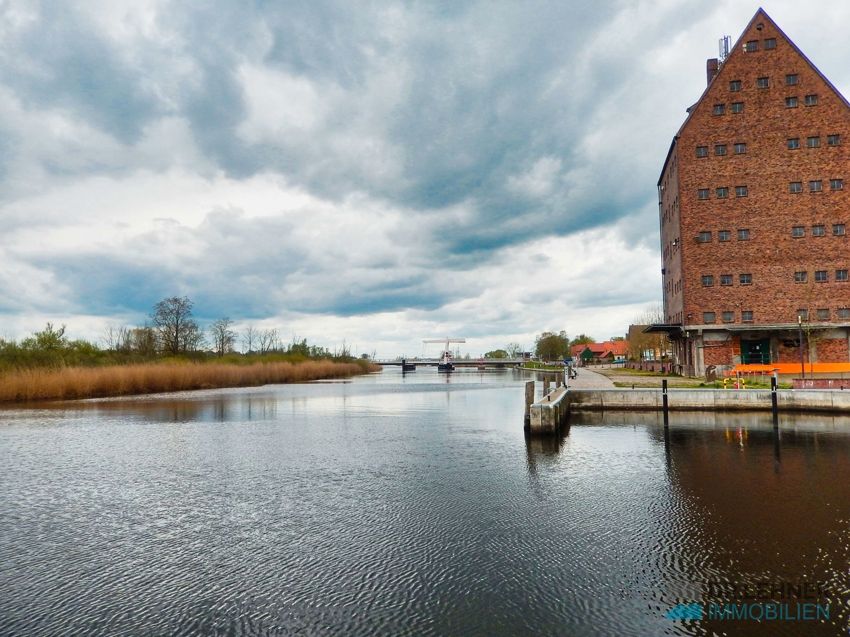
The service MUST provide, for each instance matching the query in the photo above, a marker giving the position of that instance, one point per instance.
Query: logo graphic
(685, 611)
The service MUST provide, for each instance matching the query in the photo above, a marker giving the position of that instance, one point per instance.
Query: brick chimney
(711, 67)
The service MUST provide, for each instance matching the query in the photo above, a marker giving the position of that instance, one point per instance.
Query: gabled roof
(736, 50)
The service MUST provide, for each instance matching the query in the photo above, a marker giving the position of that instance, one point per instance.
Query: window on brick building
(735, 86)
(702, 151)
(791, 102)
(822, 313)
(791, 79)
(841, 275)
(743, 234)
(707, 280)
(794, 143)
(720, 149)
(740, 148)
(833, 140)
(813, 142)
(741, 191)
(763, 82)
(801, 276)
(708, 317)
(704, 236)
(803, 313)
(724, 235)
(702, 193)
(836, 184)
(719, 109)
(725, 279)
(818, 230)
(745, 279)
(737, 107)
(794, 187)
(727, 317)
(811, 100)
(843, 312)
(798, 231)
(769, 44)
(722, 192)
(838, 229)
(821, 276)
(816, 185)
(747, 316)
(751, 46)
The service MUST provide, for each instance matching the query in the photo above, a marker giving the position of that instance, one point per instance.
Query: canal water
(414, 505)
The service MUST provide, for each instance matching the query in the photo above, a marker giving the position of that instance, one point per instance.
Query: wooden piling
(545, 386)
(664, 401)
(529, 398)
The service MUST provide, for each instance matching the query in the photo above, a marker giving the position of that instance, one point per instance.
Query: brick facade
(733, 251)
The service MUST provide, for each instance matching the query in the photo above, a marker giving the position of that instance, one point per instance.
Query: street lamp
(800, 338)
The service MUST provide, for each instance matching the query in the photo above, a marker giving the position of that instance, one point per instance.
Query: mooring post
(774, 402)
(545, 386)
(664, 403)
(529, 398)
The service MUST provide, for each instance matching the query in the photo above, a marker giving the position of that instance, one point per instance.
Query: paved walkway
(590, 380)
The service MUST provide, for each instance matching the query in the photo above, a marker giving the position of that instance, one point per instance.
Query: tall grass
(26, 385)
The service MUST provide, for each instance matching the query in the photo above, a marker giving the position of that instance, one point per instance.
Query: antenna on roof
(724, 43)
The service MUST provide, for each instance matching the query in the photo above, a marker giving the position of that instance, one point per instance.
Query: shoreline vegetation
(75, 383)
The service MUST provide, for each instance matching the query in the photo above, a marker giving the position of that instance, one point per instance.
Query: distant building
(605, 352)
(754, 210)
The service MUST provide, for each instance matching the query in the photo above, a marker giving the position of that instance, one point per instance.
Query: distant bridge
(496, 363)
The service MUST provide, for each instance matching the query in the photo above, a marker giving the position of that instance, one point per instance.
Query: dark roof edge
(667, 160)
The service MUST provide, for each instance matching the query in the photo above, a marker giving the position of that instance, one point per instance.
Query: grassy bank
(28, 385)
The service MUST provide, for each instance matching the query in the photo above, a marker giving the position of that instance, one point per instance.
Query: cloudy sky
(369, 172)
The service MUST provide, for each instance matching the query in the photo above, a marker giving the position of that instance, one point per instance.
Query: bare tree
(223, 337)
(268, 340)
(142, 340)
(177, 330)
(250, 337)
(117, 339)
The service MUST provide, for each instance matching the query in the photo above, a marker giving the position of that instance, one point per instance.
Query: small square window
(812, 142)
(737, 107)
(843, 313)
(833, 140)
(743, 234)
(811, 100)
(791, 79)
(816, 185)
(724, 235)
(790, 102)
(822, 313)
(741, 191)
(725, 279)
(818, 231)
(793, 187)
(794, 143)
(702, 151)
(747, 316)
(836, 184)
(722, 192)
(719, 109)
(838, 229)
(798, 231)
(841, 275)
(751, 46)
(720, 149)
(735, 86)
(728, 317)
(704, 237)
(740, 148)
(708, 317)
(801, 276)
(707, 280)
(821, 276)
(702, 193)
(763, 82)
(803, 313)
(769, 44)
(745, 279)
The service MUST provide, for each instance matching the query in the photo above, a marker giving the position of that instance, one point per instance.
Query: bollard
(529, 398)
(664, 403)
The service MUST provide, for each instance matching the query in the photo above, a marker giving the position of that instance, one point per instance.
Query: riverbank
(72, 383)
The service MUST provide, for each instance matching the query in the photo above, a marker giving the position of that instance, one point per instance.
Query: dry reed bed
(123, 380)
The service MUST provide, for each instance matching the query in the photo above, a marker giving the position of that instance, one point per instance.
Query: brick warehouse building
(754, 212)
